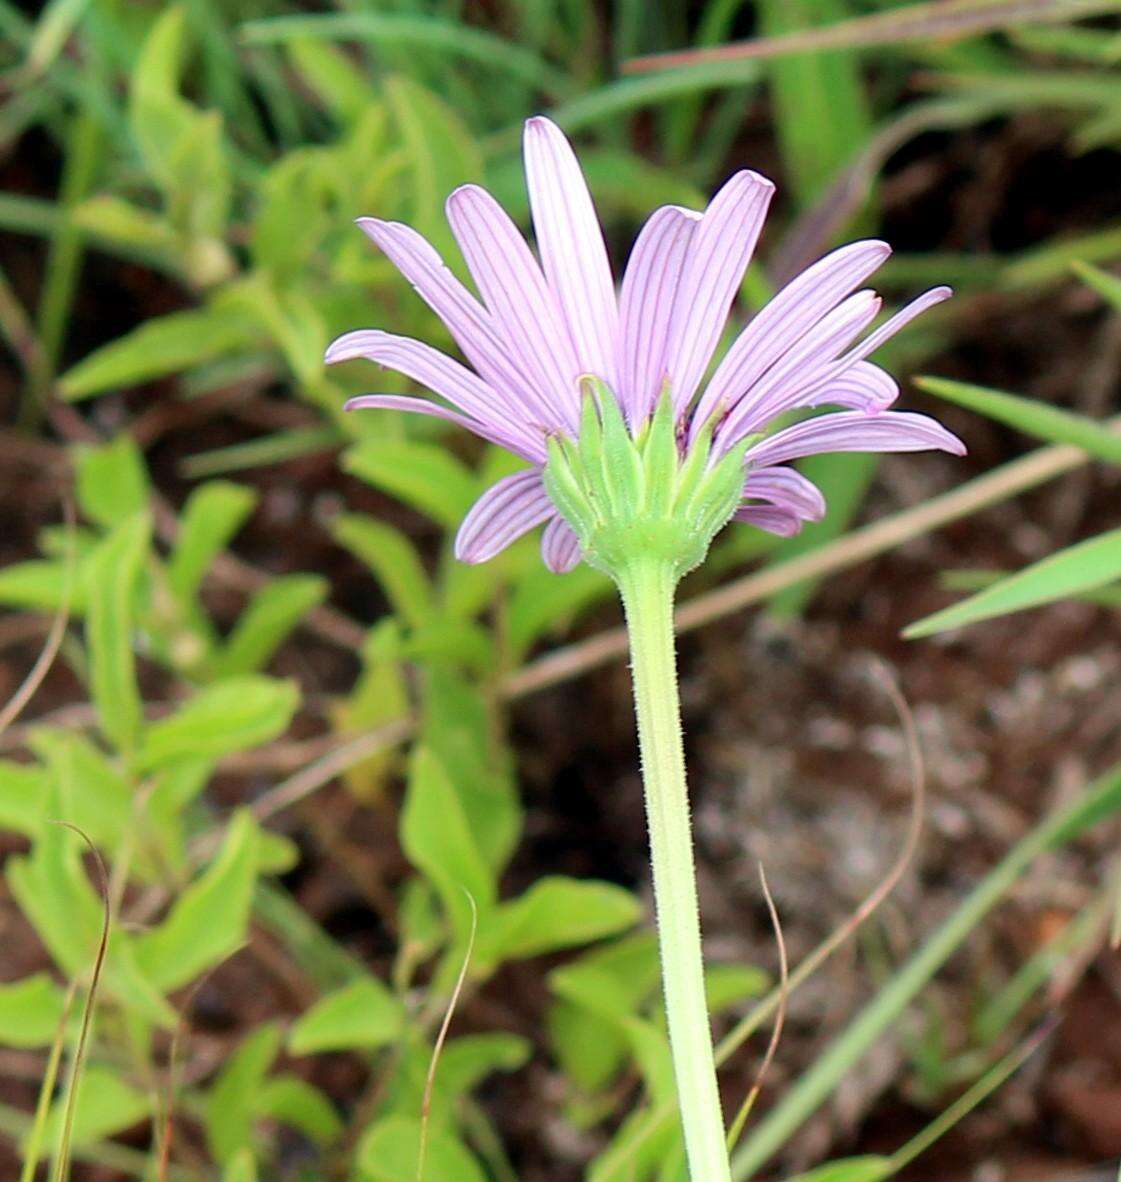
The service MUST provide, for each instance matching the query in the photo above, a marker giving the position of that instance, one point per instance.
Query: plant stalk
(647, 588)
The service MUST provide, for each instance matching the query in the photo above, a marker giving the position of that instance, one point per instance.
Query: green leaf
(362, 1014)
(105, 1105)
(232, 1102)
(30, 1011)
(295, 1102)
(114, 573)
(101, 800)
(24, 791)
(233, 715)
(870, 1168)
(422, 475)
(210, 919)
(111, 480)
(241, 1167)
(266, 623)
(390, 1150)
(465, 1062)
(558, 913)
(1106, 285)
(161, 346)
(42, 586)
(212, 515)
(394, 561)
(1036, 418)
(1082, 567)
(437, 838)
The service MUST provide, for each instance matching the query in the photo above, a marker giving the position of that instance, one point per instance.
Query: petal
(774, 521)
(560, 547)
(782, 322)
(850, 430)
(722, 247)
(470, 324)
(502, 514)
(646, 303)
(515, 292)
(445, 377)
(421, 406)
(784, 385)
(570, 243)
(787, 489)
(864, 387)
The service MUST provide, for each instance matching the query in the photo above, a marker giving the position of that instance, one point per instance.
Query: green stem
(647, 588)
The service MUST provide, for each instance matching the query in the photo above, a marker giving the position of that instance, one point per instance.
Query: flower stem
(647, 587)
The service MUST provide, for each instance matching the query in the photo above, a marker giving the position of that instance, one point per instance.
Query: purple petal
(445, 377)
(864, 387)
(470, 324)
(508, 509)
(787, 489)
(646, 303)
(721, 249)
(515, 291)
(782, 322)
(560, 547)
(800, 369)
(773, 520)
(850, 430)
(421, 406)
(570, 242)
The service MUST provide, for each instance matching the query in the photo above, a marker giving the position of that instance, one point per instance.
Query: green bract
(637, 498)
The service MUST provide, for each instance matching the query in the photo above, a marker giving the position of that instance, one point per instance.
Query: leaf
(23, 797)
(114, 573)
(266, 623)
(1082, 567)
(389, 1152)
(160, 346)
(1030, 416)
(438, 841)
(100, 800)
(423, 475)
(105, 1105)
(233, 715)
(297, 1103)
(394, 561)
(42, 586)
(232, 1101)
(363, 1014)
(465, 1062)
(30, 1011)
(1106, 285)
(558, 913)
(870, 1168)
(111, 480)
(213, 513)
(241, 1167)
(210, 919)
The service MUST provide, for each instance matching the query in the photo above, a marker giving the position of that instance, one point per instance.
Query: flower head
(545, 326)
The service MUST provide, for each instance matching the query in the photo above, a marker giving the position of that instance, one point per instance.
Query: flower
(543, 327)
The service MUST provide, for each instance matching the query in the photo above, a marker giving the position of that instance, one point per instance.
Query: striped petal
(421, 406)
(772, 519)
(786, 488)
(783, 321)
(471, 326)
(646, 303)
(517, 296)
(722, 247)
(508, 509)
(782, 387)
(443, 376)
(570, 243)
(864, 387)
(560, 548)
(849, 430)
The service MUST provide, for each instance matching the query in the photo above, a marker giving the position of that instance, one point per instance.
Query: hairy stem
(647, 588)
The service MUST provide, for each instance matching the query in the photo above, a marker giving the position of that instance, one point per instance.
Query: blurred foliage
(222, 151)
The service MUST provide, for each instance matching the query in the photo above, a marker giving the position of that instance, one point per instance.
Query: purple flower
(542, 325)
